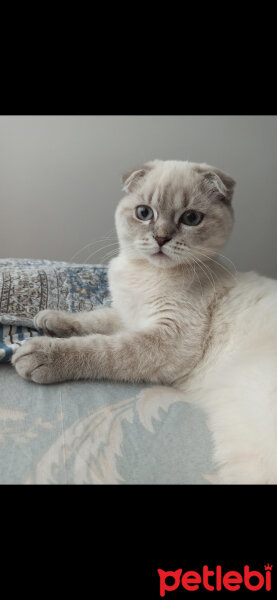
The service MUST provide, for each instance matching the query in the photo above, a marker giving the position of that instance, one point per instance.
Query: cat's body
(227, 351)
(236, 383)
(179, 317)
(182, 315)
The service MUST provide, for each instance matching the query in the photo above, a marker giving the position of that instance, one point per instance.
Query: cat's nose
(162, 240)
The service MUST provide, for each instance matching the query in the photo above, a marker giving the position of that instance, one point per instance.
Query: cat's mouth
(160, 254)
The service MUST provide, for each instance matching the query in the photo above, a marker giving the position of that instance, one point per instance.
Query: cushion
(28, 286)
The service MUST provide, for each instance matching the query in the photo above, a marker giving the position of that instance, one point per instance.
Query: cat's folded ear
(218, 182)
(133, 178)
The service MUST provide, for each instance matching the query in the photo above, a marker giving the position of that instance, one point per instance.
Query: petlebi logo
(216, 580)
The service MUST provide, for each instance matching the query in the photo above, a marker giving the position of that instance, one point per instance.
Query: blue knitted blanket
(28, 286)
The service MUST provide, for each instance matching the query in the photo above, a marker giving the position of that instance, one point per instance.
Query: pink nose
(162, 240)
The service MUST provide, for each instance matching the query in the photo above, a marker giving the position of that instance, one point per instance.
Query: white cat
(179, 317)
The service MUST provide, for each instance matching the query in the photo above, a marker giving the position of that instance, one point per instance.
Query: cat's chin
(159, 259)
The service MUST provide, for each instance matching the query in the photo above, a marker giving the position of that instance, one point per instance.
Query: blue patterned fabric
(99, 432)
(28, 286)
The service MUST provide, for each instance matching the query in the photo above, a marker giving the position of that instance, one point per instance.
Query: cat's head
(174, 210)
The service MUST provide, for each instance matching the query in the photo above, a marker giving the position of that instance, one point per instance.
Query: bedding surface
(86, 432)
(99, 433)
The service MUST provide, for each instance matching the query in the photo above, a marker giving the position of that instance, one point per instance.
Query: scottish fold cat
(178, 316)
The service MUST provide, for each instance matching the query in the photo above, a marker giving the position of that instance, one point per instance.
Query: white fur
(236, 384)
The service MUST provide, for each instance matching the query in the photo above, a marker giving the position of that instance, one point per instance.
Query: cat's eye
(144, 213)
(191, 217)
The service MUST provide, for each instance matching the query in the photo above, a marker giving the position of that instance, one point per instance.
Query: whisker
(199, 262)
(211, 272)
(217, 263)
(219, 254)
(100, 249)
(196, 273)
(109, 255)
(190, 265)
(109, 246)
(106, 237)
(204, 264)
(191, 270)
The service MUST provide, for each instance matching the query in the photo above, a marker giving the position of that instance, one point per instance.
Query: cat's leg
(63, 324)
(126, 356)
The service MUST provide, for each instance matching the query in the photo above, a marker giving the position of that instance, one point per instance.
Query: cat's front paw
(56, 323)
(39, 360)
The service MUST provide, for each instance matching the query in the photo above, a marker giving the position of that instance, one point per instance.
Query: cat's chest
(139, 297)
(130, 295)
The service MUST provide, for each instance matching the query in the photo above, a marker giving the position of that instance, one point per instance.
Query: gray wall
(60, 179)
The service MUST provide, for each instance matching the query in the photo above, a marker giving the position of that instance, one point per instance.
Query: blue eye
(144, 213)
(191, 217)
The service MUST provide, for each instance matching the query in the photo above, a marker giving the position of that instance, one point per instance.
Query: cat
(178, 316)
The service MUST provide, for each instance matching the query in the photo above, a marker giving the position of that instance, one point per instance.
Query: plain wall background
(60, 179)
